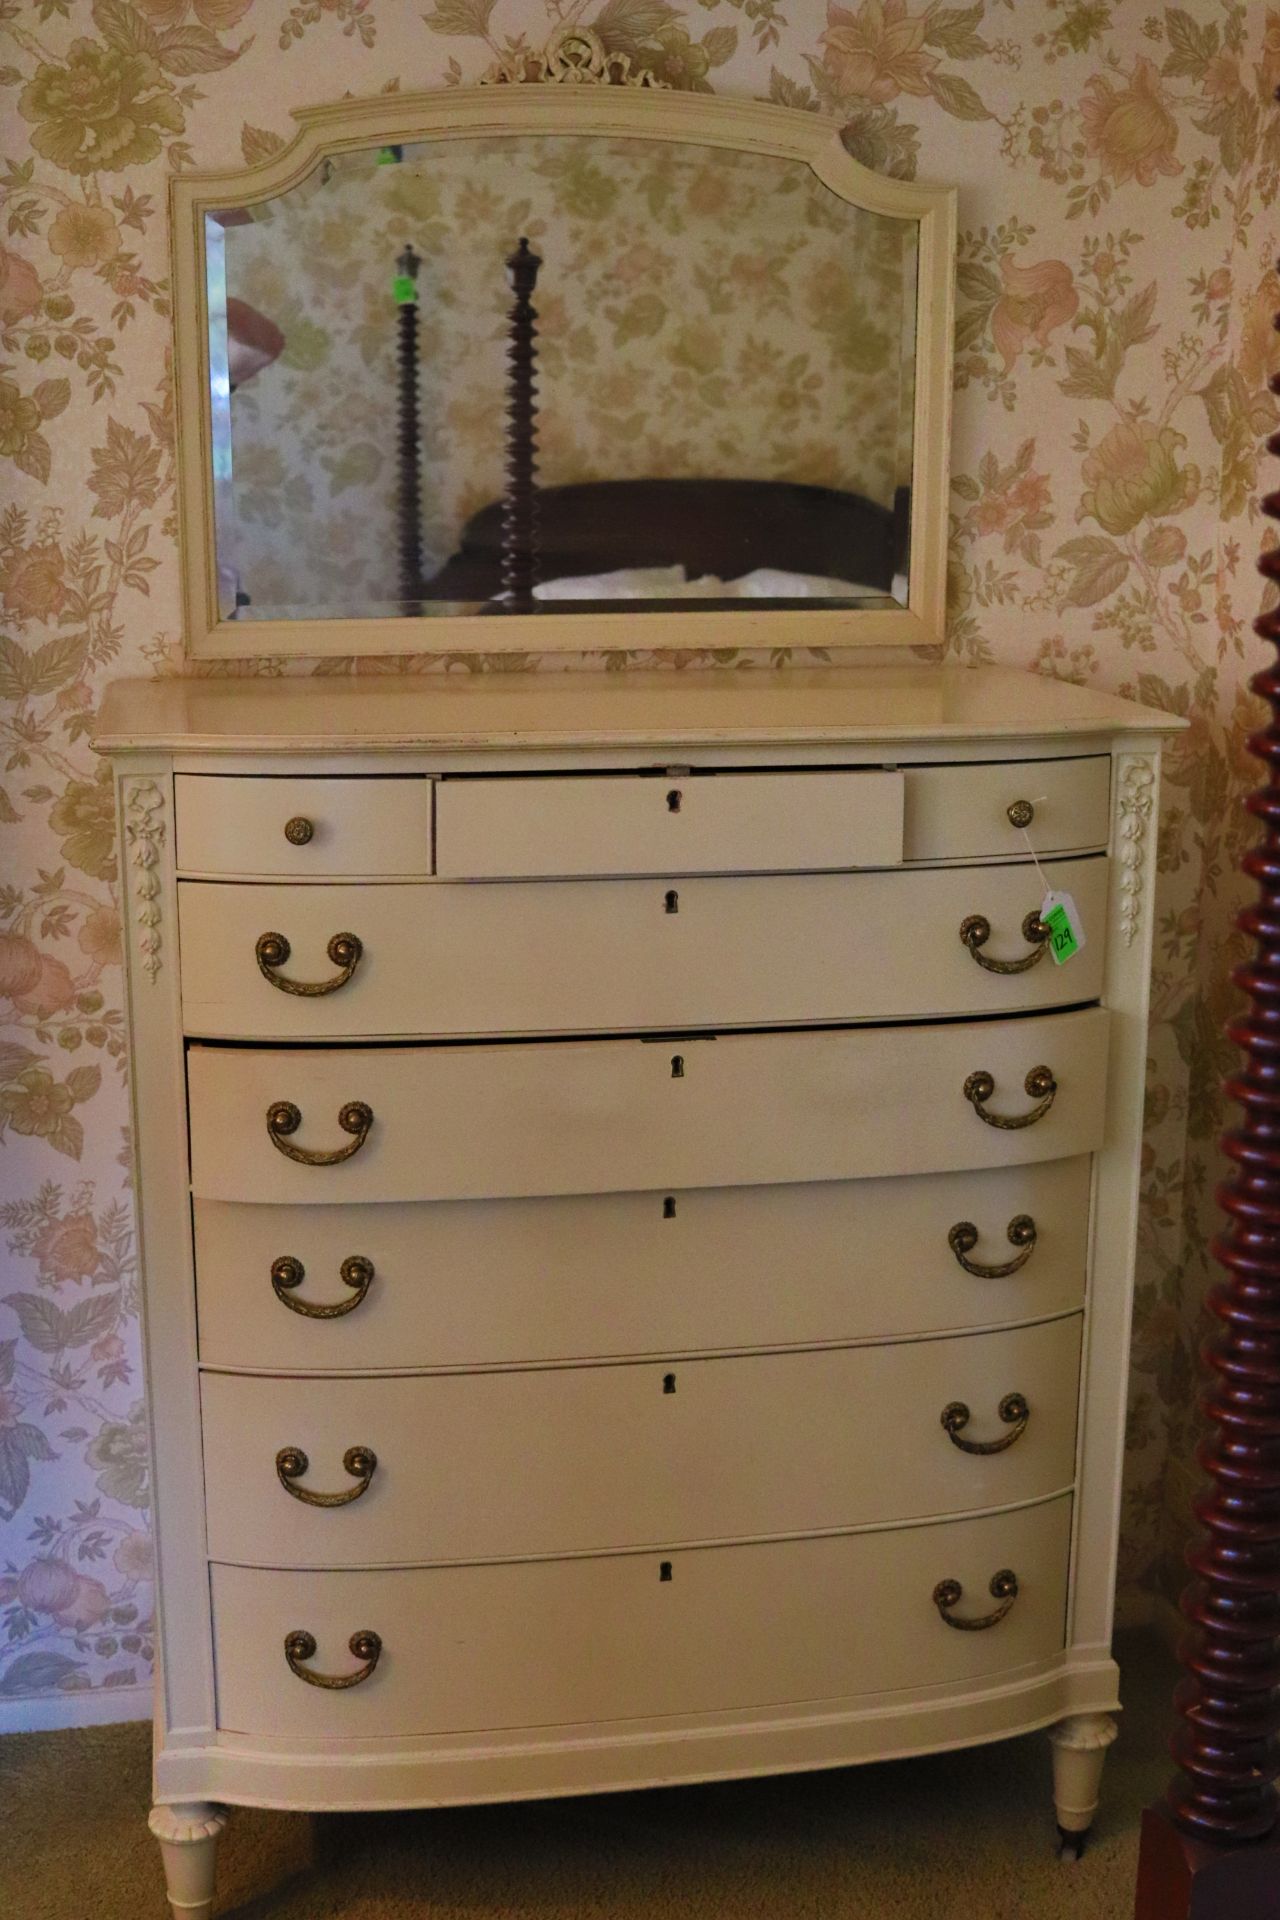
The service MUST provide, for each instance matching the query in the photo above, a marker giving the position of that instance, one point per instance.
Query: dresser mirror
(728, 340)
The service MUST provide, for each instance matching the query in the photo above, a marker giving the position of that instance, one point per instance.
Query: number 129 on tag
(1061, 916)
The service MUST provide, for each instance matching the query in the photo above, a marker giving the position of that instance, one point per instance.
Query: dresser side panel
(144, 796)
(1135, 790)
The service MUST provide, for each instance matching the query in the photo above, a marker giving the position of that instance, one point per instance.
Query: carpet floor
(967, 1833)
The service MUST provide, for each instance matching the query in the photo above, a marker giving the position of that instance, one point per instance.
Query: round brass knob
(298, 831)
(1021, 813)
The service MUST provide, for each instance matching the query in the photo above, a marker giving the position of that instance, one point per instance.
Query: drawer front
(589, 1459)
(603, 1116)
(240, 825)
(522, 827)
(567, 1642)
(491, 1282)
(631, 954)
(962, 812)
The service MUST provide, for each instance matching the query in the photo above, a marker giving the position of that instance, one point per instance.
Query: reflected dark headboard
(708, 526)
(722, 527)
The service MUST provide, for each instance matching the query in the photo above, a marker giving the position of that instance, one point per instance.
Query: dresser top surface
(836, 706)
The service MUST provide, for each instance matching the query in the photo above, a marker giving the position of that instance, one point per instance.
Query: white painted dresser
(637, 1227)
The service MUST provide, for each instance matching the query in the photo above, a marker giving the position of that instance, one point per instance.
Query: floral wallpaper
(699, 314)
(1118, 167)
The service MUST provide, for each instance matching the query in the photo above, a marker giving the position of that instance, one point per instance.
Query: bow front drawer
(522, 826)
(303, 829)
(599, 1116)
(482, 1282)
(265, 963)
(564, 1642)
(480, 1466)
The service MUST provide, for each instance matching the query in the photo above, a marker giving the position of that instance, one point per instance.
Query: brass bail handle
(1021, 1232)
(300, 1646)
(288, 1272)
(1039, 1083)
(360, 1462)
(948, 1594)
(1013, 1410)
(975, 931)
(273, 950)
(283, 1118)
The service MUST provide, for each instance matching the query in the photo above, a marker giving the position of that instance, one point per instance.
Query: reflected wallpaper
(1118, 167)
(700, 315)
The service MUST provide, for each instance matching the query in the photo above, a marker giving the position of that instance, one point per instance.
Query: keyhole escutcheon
(674, 797)
(672, 900)
(668, 1383)
(677, 1066)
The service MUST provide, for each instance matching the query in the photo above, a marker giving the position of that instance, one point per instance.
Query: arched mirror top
(709, 394)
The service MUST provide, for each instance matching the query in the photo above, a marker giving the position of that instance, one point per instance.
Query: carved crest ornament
(573, 56)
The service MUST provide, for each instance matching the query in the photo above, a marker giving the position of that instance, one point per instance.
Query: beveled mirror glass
(740, 411)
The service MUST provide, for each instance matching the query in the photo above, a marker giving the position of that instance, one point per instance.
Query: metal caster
(1071, 1845)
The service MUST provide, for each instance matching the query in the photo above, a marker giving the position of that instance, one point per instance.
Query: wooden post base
(1180, 1878)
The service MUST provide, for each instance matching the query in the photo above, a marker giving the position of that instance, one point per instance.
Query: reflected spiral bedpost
(409, 490)
(520, 499)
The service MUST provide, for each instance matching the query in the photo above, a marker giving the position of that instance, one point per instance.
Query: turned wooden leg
(188, 1836)
(1079, 1749)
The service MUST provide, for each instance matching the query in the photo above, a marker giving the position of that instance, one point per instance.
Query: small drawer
(302, 829)
(523, 827)
(576, 956)
(963, 812)
(482, 1466)
(336, 1125)
(602, 1276)
(553, 1643)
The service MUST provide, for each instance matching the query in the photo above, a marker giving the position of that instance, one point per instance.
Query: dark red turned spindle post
(1211, 1848)
(520, 500)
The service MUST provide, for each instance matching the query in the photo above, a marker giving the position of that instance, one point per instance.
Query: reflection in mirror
(725, 382)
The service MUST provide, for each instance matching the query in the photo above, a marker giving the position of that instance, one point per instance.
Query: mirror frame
(620, 113)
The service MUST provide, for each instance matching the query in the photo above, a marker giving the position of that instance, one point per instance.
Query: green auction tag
(1066, 934)
(405, 289)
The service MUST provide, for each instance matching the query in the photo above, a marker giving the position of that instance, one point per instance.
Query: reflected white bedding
(672, 583)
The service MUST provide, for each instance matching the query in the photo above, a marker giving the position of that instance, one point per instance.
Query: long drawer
(632, 954)
(567, 1642)
(589, 1459)
(600, 1116)
(489, 1282)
